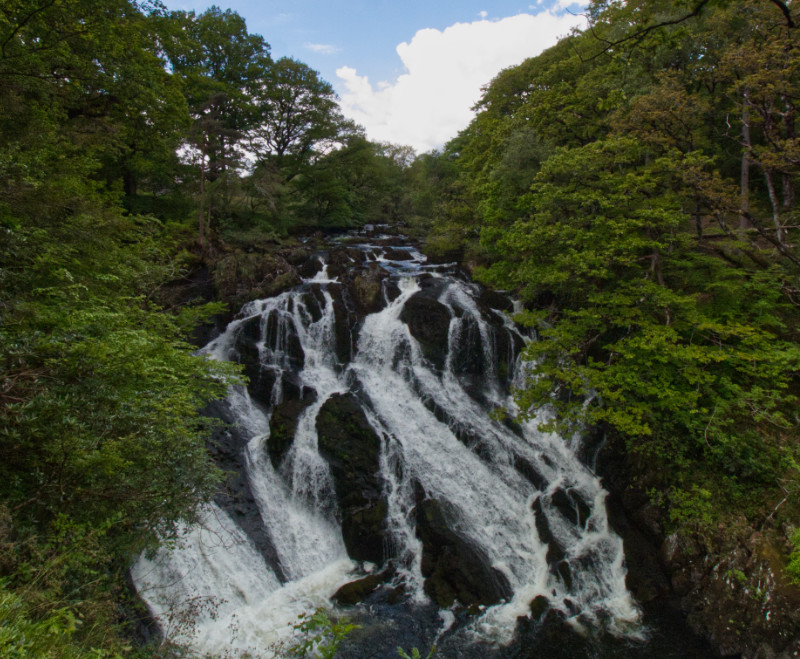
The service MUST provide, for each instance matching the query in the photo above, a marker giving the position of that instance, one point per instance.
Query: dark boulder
(342, 260)
(428, 321)
(357, 591)
(454, 569)
(489, 299)
(570, 504)
(310, 267)
(366, 289)
(397, 255)
(555, 551)
(344, 324)
(352, 449)
(530, 472)
(283, 424)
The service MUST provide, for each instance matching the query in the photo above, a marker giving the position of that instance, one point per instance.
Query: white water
(489, 499)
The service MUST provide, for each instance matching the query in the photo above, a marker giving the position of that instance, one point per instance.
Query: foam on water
(435, 435)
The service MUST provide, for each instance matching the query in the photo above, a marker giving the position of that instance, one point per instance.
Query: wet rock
(357, 591)
(226, 447)
(310, 267)
(366, 289)
(538, 606)
(453, 568)
(352, 449)
(315, 302)
(344, 323)
(489, 299)
(564, 571)
(397, 255)
(570, 504)
(530, 472)
(555, 552)
(645, 577)
(281, 336)
(283, 425)
(342, 260)
(428, 321)
(468, 361)
(553, 637)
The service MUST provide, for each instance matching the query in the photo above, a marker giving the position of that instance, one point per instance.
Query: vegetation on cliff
(136, 144)
(635, 186)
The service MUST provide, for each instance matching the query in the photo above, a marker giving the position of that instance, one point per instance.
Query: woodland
(635, 187)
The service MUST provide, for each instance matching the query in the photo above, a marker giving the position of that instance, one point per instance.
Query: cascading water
(470, 510)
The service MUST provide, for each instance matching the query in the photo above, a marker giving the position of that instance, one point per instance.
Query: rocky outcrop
(283, 425)
(262, 379)
(428, 321)
(730, 585)
(226, 447)
(352, 449)
(453, 568)
(740, 598)
(357, 591)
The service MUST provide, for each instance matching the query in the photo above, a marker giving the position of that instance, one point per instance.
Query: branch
(786, 13)
(640, 34)
(22, 23)
(779, 245)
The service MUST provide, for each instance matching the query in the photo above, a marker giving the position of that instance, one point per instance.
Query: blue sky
(451, 49)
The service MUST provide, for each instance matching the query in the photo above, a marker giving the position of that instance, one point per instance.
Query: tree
(220, 63)
(296, 113)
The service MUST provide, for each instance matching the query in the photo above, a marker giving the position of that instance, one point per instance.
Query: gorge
(369, 464)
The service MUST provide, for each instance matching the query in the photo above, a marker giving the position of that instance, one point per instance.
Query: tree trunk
(790, 134)
(773, 200)
(744, 197)
(201, 234)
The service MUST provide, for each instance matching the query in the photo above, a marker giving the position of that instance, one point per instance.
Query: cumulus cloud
(323, 48)
(445, 71)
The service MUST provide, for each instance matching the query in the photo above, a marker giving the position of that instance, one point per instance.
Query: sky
(409, 71)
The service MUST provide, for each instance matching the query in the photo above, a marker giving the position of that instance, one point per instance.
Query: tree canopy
(635, 186)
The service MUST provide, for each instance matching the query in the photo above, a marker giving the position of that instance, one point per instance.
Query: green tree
(296, 114)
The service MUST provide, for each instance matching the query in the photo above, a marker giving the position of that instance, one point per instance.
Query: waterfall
(453, 482)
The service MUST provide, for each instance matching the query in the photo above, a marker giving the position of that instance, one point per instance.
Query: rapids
(516, 504)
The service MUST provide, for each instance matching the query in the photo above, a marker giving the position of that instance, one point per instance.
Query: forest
(633, 186)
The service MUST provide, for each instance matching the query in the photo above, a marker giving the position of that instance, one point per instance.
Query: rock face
(732, 588)
(428, 321)
(226, 447)
(283, 425)
(254, 332)
(352, 449)
(453, 568)
(739, 599)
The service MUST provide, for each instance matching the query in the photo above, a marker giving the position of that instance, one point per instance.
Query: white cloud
(323, 48)
(445, 70)
(483, 14)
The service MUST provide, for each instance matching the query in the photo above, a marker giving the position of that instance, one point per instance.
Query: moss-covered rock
(455, 569)
(428, 321)
(352, 449)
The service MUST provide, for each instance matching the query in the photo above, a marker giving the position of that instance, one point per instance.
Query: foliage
(634, 186)
(415, 653)
(793, 568)
(320, 637)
